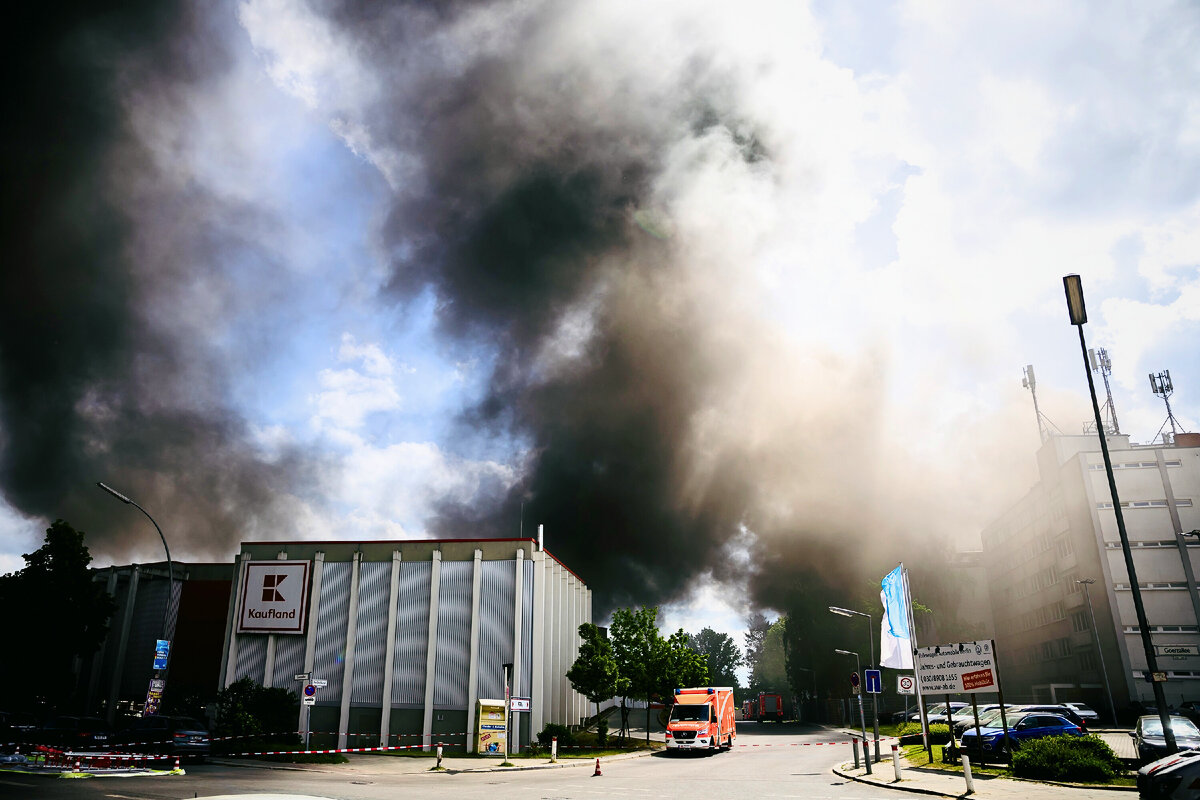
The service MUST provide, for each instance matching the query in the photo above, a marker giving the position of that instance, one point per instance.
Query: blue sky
(934, 170)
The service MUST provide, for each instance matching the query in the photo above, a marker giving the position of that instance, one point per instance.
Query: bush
(554, 729)
(939, 733)
(1082, 759)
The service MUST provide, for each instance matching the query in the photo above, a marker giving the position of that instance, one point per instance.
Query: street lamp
(862, 717)
(170, 568)
(1085, 583)
(1073, 286)
(846, 612)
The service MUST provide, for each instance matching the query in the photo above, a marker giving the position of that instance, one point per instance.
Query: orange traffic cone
(596, 774)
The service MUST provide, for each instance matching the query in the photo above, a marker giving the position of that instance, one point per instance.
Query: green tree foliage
(770, 673)
(594, 673)
(246, 708)
(680, 666)
(756, 630)
(721, 655)
(637, 647)
(60, 614)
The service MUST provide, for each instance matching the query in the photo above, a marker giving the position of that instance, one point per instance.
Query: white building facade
(408, 635)
(1065, 531)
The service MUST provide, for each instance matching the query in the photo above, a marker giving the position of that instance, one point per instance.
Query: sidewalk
(925, 781)
(367, 764)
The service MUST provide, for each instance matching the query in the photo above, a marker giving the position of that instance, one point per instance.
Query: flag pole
(912, 639)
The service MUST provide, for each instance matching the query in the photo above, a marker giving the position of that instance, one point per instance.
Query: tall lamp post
(862, 717)
(1085, 583)
(170, 566)
(845, 612)
(1073, 286)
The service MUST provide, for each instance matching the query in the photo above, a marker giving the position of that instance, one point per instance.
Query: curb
(579, 762)
(332, 768)
(912, 789)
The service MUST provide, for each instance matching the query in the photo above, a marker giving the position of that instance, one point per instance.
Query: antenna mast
(1161, 385)
(1101, 363)
(1044, 424)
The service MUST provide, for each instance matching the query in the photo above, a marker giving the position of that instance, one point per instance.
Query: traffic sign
(855, 688)
(874, 681)
(310, 690)
(521, 703)
(320, 683)
(303, 676)
(905, 684)
(309, 700)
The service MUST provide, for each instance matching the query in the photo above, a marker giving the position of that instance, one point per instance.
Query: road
(769, 761)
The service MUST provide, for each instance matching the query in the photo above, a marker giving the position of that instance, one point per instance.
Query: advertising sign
(162, 649)
(154, 696)
(274, 597)
(960, 668)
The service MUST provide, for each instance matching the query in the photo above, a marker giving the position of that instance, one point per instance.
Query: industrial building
(401, 639)
(1041, 554)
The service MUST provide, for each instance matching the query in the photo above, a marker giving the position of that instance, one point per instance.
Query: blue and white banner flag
(895, 642)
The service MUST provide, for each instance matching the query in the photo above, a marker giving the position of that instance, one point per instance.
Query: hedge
(1084, 759)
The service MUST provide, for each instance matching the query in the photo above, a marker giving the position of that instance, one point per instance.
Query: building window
(1081, 621)
(1065, 546)
(1087, 660)
(1064, 646)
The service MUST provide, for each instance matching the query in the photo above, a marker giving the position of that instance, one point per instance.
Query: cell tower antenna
(1101, 363)
(1161, 385)
(1044, 423)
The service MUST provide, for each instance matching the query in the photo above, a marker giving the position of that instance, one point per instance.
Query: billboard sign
(959, 668)
(274, 597)
(162, 651)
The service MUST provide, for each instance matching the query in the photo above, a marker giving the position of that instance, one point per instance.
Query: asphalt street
(769, 761)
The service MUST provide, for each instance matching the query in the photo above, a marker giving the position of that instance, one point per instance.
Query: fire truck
(767, 707)
(702, 719)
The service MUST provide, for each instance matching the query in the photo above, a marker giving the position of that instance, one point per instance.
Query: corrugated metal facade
(412, 634)
(395, 588)
(374, 583)
(332, 620)
(453, 635)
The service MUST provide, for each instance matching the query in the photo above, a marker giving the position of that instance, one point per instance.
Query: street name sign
(958, 668)
(1177, 649)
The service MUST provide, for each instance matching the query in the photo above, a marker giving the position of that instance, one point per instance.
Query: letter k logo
(271, 585)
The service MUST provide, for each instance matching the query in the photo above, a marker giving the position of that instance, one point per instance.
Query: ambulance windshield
(696, 713)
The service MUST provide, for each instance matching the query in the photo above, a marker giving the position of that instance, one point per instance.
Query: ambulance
(702, 719)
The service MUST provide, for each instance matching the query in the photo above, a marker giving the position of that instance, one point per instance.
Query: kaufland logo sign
(274, 597)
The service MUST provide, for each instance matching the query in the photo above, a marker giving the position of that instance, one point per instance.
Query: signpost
(961, 668)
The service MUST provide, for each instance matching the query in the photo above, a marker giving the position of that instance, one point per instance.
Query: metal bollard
(439, 754)
(554, 750)
(896, 760)
(966, 762)
(854, 746)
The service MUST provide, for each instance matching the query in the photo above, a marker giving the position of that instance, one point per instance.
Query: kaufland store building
(407, 636)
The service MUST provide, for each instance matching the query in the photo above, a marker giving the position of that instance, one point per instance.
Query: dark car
(1152, 745)
(1022, 728)
(1059, 709)
(16, 727)
(76, 733)
(176, 736)
(1170, 778)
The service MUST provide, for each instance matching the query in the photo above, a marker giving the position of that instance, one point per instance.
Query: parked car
(75, 733)
(1089, 715)
(1171, 778)
(989, 716)
(1062, 710)
(1022, 728)
(935, 713)
(16, 727)
(1152, 745)
(1191, 710)
(176, 736)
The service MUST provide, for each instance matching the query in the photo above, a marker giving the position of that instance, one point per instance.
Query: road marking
(15, 783)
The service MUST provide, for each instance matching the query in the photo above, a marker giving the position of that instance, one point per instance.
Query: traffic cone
(596, 774)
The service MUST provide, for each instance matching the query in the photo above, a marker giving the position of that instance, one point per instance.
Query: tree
(770, 674)
(756, 631)
(636, 645)
(594, 673)
(246, 708)
(681, 665)
(721, 655)
(64, 617)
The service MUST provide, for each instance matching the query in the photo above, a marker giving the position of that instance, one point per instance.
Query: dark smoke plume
(100, 376)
